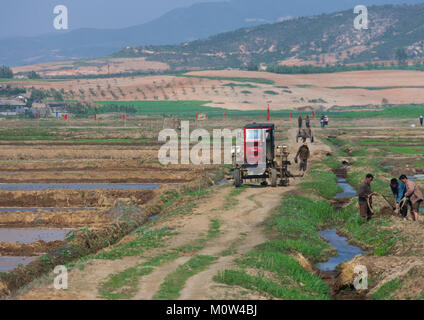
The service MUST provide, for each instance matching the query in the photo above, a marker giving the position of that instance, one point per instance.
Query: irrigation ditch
(329, 270)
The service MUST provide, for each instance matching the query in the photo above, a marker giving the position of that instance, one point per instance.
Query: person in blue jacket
(399, 190)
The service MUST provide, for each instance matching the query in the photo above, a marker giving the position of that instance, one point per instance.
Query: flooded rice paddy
(74, 186)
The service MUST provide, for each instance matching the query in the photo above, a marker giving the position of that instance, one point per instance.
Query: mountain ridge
(321, 39)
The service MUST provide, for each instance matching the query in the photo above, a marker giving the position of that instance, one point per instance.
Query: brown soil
(62, 218)
(317, 96)
(28, 250)
(71, 198)
(241, 228)
(381, 270)
(93, 67)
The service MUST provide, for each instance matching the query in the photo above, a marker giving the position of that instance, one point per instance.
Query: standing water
(75, 186)
(10, 263)
(31, 235)
(345, 251)
(348, 190)
(26, 236)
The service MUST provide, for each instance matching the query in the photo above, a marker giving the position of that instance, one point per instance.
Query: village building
(42, 109)
(12, 107)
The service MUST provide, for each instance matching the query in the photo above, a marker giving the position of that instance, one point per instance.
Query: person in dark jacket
(365, 197)
(308, 122)
(300, 121)
(303, 155)
(398, 190)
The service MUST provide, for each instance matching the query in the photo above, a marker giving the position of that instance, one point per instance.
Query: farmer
(414, 194)
(303, 154)
(421, 120)
(308, 122)
(301, 134)
(399, 189)
(322, 121)
(365, 198)
(300, 121)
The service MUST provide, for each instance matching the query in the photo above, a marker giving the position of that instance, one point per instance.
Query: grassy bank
(322, 182)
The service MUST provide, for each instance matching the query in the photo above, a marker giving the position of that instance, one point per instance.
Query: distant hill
(322, 39)
(179, 25)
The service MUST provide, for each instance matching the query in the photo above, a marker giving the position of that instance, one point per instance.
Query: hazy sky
(34, 17)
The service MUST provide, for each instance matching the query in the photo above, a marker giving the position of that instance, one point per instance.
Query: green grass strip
(123, 285)
(267, 286)
(386, 291)
(323, 182)
(174, 282)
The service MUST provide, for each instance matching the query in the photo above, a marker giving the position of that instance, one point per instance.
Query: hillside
(179, 25)
(172, 28)
(323, 39)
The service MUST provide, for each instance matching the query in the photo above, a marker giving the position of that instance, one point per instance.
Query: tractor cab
(258, 143)
(259, 160)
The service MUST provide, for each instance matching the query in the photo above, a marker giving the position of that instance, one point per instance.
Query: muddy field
(58, 179)
(213, 228)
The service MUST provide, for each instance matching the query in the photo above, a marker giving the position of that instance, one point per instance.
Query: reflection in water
(31, 235)
(345, 251)
(348, 190)
(10, 263)
(44, 209)
(75, 186)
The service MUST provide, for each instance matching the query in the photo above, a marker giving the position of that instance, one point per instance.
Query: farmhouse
(42, 109)
(58, 109)
(12, 107)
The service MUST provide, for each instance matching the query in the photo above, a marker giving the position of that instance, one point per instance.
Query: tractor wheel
(273, 177)
(238, 181)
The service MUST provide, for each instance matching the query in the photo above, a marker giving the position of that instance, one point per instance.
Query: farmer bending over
(414, 194)
(399, 189)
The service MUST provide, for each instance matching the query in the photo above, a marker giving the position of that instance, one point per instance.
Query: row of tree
(343, 68)
(10, 91)
(5, 72)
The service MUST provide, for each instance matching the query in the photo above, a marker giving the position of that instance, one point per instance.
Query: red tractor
(259, 159)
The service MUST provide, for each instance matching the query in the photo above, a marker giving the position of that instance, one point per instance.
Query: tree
(37, 95)
(252, 66)
(57, 96)
(33, 75)
(401, 56)
(6, 72)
